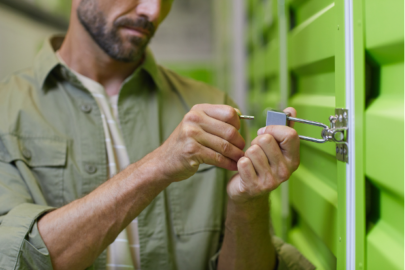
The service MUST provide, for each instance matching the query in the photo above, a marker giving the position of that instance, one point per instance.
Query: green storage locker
(318, 55)
(384, 133)
(314, 187)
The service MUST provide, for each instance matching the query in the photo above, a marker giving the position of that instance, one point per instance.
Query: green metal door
(384, 132)
(337, 54)
(304, 212)
(314, 187)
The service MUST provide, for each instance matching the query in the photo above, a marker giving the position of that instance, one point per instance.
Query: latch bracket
(342, 152)
(340, 122)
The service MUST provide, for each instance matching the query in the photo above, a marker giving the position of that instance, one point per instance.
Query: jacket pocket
(197, 204)
(39, 159)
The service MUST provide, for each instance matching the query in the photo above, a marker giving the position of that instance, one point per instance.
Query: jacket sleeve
(21, 246)
(289, 258)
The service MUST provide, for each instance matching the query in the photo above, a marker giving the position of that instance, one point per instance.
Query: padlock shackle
(307, 122)
(305, 138)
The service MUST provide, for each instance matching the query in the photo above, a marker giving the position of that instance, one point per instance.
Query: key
(246, 117)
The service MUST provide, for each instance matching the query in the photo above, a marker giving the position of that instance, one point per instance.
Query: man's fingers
(224, 131)
(247, 173)
(259, 160)
(271, 148)
(212, 157)
(292, 112)
(221, 146)
(288, 141)
(222, 113)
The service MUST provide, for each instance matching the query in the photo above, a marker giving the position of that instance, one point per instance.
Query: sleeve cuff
(213, 265)
(289, 258)
(18, 227)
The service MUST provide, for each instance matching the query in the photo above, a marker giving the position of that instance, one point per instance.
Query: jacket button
(86, 108)
(90, 169)
(27, 153)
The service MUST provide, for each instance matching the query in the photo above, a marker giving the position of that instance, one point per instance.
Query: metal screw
(332, 120)
(340, 118)
(341, 151)
(337, 149)
(345, 151)
(345, 115)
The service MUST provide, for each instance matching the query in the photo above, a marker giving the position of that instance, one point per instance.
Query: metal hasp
(337, 132)
(340, 123)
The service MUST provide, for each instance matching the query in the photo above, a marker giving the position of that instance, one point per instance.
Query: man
(96, 103)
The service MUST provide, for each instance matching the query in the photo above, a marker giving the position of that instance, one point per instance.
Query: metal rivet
(27, 153)
(337, 149)
(341, 150)
(344, 151)
(340, 118)
(345, 115)
(90, 169)
(86, 108)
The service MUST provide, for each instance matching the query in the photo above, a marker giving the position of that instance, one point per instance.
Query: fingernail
(261, 131)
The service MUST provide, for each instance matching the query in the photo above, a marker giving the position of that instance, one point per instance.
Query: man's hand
(207, 134)
(272, 157)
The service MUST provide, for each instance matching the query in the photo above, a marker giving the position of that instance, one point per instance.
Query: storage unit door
(384, 133)
(313, 187)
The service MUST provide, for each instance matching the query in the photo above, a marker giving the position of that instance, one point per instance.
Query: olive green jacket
(52, 152)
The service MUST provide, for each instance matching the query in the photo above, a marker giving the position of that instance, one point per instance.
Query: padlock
(331, 134)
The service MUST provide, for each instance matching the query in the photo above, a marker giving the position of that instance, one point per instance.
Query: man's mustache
(140, 22)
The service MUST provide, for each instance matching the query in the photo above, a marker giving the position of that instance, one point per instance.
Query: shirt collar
(46, 61)
(150, 66)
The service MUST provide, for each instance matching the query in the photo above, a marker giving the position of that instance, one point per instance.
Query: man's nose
(150, 9)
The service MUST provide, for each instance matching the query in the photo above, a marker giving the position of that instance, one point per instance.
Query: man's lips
(137, 29)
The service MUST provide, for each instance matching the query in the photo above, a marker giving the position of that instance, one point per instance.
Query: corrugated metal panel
(313, 188)
(384, 133)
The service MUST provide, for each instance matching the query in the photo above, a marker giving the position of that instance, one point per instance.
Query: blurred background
(269, 54)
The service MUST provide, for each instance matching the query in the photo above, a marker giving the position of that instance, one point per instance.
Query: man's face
(122, 28)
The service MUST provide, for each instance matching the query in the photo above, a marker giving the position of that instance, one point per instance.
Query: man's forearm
(78, 232)
(247, 243)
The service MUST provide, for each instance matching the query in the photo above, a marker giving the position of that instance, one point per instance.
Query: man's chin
(129, 55)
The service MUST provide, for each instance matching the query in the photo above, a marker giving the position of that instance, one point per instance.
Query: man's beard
(109, 40)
